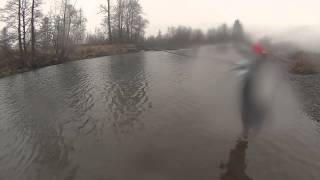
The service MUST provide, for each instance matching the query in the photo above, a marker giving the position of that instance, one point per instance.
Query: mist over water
(150, 115)
(305, 37)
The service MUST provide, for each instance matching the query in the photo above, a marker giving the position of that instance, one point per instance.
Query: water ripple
(146, 115)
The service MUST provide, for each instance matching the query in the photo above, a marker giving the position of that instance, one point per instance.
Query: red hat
(258, 49)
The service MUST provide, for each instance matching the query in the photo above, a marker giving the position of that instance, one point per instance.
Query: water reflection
(235, 168)
(252, 117)
(31, 135)
(126, 95)
(141, 116)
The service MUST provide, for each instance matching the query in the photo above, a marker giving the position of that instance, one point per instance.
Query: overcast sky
(206, 13)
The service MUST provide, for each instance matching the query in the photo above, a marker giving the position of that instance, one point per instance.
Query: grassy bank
(305, 63)
(10, 65)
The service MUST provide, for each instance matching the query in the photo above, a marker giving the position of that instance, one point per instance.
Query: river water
(149, 115)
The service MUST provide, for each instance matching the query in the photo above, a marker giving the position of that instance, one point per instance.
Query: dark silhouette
(236, 166)
(237, 31)
(183, 36)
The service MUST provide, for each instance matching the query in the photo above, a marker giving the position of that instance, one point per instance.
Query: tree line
(20, 17)
(30, 34)
(124, 21)
(181, 36)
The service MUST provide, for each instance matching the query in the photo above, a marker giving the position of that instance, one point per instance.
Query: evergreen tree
(237, 31)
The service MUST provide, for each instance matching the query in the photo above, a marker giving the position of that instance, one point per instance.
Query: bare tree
(98, 37)
(56, 33)
(5, 39)
(125, 20)
(46, 33)
(109, 21)
(35, 14)
(107, 11)
(133, 15)
(24, 13)
(139, 28)
(33, 36)
(80, 27)
(11, 14)
(119, 17)
(68, 29)
(19, 29)
(64, 25)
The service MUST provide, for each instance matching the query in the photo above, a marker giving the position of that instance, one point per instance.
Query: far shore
(81, 52)
(302, 62)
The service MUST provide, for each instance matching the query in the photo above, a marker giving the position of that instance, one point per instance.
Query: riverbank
(308, 87)
(304, 75)
(11, 66)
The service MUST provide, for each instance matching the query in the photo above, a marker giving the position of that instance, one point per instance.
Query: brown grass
(304, 63)
(90, 51)
(12, 66)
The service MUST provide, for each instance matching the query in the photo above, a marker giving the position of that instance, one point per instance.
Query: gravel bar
(309, 88)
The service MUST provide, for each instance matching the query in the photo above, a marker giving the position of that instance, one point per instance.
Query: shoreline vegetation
(301, 62)
(86, 51)
(33, 38)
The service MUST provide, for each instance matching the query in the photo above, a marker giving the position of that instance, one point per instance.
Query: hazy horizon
(204, 14)
(260, 18)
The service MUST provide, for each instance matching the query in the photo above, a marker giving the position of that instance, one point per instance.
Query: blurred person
(259, 50)
(253, 111)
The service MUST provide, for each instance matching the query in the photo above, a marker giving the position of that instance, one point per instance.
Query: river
(149, 115)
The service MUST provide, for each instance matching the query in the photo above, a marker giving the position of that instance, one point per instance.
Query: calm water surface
(150, 115)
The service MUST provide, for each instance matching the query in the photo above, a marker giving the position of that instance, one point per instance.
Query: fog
(287, 20)
(304, 37)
